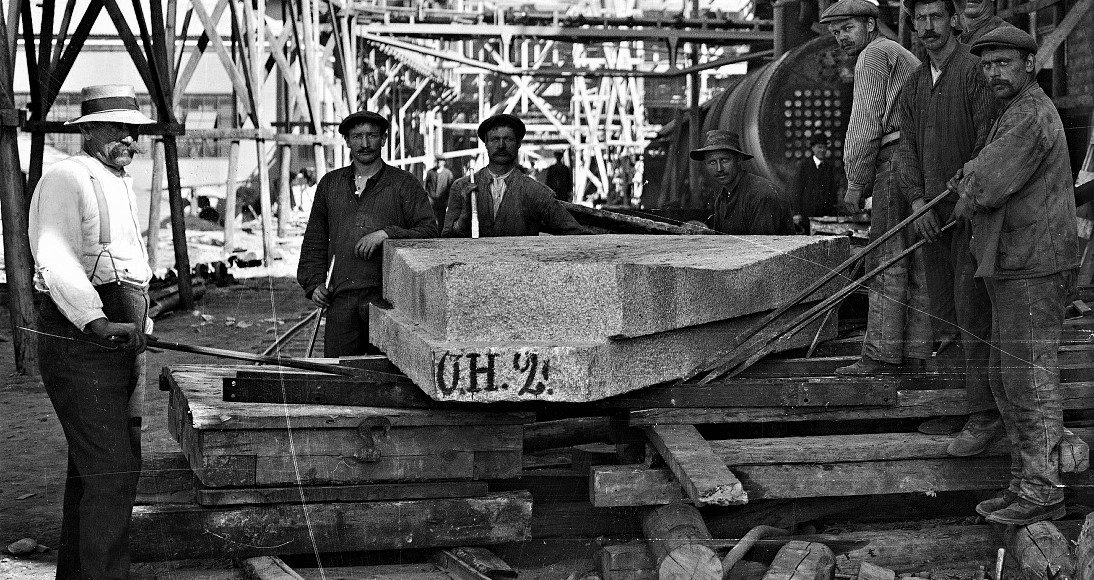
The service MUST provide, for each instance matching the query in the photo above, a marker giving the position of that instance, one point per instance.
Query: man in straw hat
(354, 210)
(509, 203)
(898, 330)
(91, 264)
(1019, 195)
(746, 204)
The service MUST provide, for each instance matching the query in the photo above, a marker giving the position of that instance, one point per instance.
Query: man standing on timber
(747, 204)
(91, 265)
(355, 209)
(946, 111)
(1019, 195)
(898, 328)
(508, 202)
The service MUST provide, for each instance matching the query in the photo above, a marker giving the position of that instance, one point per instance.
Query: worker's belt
(890, 139)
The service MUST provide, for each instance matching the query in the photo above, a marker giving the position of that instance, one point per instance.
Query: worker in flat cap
(898, 332)
(746, 204)
(508, 202)
(354, 210)
(1019, 195)
(92, 269)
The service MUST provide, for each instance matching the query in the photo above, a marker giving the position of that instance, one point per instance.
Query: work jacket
(751, 205)
(1020, 189)
(527, 209)
(393, 200)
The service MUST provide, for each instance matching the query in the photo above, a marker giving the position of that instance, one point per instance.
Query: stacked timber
(274, 478)
(583, 318)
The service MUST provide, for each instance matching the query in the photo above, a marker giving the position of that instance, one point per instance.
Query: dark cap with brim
(360, 118)
(849, 9)
(1005, 36)
(502, 120)
(719, 140)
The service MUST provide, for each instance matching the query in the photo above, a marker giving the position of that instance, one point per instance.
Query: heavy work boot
(1004, 499)
(867, 366)
(981, 430)
(1024, 512)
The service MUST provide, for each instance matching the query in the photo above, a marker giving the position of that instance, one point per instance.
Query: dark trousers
(89, 382)
(898, 323)
(1027, 316)
(347, 323)
(960, 305)
(440, 207)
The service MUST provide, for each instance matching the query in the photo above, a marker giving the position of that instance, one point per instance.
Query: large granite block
(550, 370)
(564, 289)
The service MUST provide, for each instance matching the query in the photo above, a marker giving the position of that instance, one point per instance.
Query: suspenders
(100, 198)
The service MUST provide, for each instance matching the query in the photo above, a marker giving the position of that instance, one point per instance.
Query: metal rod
(258, 358)
(291, 332)
(828, 277)
(322, 311)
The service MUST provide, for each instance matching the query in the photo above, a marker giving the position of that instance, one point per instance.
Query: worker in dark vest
(508, 202)
(747, 204)
(355, 209)
(90, 264)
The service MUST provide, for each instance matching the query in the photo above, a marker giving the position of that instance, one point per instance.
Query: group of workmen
(969, 125)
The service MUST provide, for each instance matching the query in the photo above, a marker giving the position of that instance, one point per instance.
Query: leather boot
(1024, 512)
(981, 430)
(1005, 498)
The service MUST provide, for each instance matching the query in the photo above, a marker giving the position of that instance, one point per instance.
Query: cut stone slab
(575, 371)
(592, 288)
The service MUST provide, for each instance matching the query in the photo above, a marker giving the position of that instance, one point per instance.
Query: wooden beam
(704, 476)
(230, 185)
(68, 57)
(226, 61)
(339, 493)
(155, 203)
(284, 205)
(187, 72)
(1054, 39)
(178, 223)
(121, 25)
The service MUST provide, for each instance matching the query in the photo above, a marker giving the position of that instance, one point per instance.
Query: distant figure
(438, 181)
(747, 204)
(817, 185)
(560, 178)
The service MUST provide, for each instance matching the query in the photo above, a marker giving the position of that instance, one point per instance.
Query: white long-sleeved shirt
(64, 237)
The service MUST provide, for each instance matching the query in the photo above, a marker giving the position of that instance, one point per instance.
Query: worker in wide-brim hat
(507, 202)
(90, 264)
(745, 203)
(355, 209)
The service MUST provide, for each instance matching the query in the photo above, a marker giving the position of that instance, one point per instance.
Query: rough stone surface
(564, 289)
(573, 371)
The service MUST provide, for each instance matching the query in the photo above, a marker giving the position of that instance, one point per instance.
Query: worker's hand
(853, 199)
(321, 296)
(120, 332)
(797, 220)
(927, 225)
(370, 244)
(955, 181)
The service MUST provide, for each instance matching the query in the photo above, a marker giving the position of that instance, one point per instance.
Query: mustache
(928, 35)
(131, 149)
(1001, 83)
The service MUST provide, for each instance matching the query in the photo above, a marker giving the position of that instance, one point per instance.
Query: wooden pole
(284, 209)
(178, 223)
(154, 203)
(230, 185)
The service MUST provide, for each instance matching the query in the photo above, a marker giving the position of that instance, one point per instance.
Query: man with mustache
(509, 203)
(747, 204)
(354, 210)
(91, 266)
(898, 331)
(946, 111)
(1019, 195)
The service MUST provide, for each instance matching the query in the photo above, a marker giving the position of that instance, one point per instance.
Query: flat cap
(1005, 37)
(502, 120)
(849, 9)
(361, 117)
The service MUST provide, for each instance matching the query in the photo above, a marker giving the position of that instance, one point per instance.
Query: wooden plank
(577, 520)
(766, 392)
(1039, 552)
(326, 469)
(268, 568)
(909, 404)
(424, 571)
(800, 560)
(676, 536)
(327, 390)
(704, 476)
(426, 440)
(340, 493)
(174, 532)
(630, 485)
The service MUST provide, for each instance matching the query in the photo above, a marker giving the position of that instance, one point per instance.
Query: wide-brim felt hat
(502, 120)
(361, 117)
(719, 140)
(849, 9)
(1006, 36)
(110, 104)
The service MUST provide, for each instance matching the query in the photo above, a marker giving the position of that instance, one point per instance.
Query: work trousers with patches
(90, 382)
(347, 323)
(1027, 316)
(960, 305)
(898, 322)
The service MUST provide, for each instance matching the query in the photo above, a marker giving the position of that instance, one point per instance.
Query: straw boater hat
(110, 104)
(718, 140)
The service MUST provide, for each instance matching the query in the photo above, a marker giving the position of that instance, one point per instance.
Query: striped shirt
(880, 72)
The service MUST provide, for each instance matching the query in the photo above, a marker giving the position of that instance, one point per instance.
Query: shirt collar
(732, 187)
